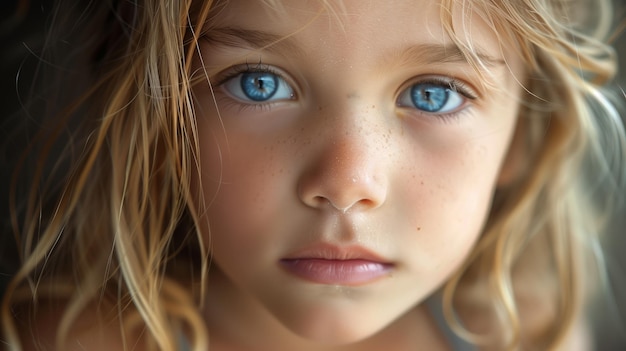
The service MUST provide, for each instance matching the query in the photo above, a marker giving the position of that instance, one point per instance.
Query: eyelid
(459, 87)
(453, 83)
(235, 70)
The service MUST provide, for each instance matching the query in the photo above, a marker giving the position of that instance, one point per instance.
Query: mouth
(334, 265)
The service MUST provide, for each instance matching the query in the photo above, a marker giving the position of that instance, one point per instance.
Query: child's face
(352, 164)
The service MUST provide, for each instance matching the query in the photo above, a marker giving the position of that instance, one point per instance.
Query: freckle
(422, 183)
(373, 106)
(319, 108)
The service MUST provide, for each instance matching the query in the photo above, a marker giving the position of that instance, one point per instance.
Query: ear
(516, 160)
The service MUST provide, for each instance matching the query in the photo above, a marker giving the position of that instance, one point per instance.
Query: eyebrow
(439, 53)
(253, 39)
(425, 53)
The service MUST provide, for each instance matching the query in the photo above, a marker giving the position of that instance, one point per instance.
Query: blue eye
(434, 98)
(259, 87)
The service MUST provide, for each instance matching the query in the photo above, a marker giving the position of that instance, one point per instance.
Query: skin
(341, 162)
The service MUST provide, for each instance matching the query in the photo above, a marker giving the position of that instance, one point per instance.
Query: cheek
(244, 183)
(230, 184)
(448, 196)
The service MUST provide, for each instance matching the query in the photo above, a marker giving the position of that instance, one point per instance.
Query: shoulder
(96, 328)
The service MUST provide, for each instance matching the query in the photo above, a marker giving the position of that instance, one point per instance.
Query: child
(308, 175)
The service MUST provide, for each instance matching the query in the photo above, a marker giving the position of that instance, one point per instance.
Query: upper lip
(326, 251)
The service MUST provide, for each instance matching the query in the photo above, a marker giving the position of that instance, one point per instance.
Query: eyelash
(234, 71)
(450, 83)
(246, 68)
(453, 84)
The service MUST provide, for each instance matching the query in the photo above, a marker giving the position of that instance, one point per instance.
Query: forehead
(358, 27)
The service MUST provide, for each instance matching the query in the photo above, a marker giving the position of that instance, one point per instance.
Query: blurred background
(21, 27)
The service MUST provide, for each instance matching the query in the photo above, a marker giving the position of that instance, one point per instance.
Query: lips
(334, 265)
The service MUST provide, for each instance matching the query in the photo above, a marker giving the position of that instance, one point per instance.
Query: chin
(333, 325)
(334, 334)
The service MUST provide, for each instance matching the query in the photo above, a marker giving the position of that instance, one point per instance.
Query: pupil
(259, 86)
(429, 97)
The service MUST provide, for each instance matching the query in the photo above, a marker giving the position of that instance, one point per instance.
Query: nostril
(322, 201)
(323, 191)
(361, 204)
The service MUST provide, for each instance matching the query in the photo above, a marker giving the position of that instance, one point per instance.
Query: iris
(429, 97)
(259, 86)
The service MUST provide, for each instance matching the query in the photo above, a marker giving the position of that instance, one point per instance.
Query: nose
(346, 172)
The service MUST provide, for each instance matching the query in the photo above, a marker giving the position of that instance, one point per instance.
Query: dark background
(21, 39)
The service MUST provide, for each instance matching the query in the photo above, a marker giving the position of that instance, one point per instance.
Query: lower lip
(337, 272)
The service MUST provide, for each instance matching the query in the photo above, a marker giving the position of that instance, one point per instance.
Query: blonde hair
(125, 217)
(547, 224)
